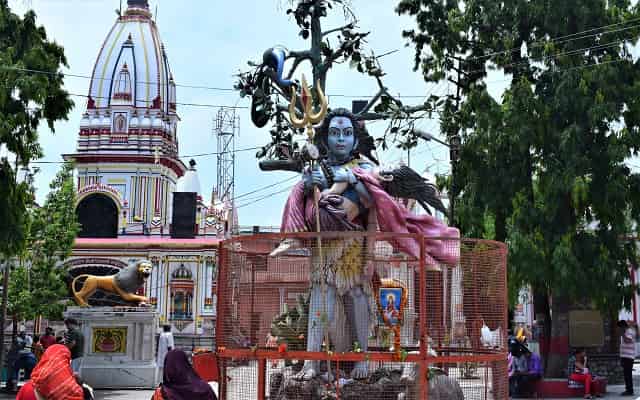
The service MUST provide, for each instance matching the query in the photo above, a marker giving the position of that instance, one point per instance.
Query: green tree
(37, 284)
(547, 163)
(25, 100)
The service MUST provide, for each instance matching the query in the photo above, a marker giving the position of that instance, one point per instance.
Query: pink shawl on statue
(393, 217)
(441, 242)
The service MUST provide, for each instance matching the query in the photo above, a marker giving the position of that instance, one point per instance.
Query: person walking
(627, 354)
(74, 340)
(180, 381)
(165, 344)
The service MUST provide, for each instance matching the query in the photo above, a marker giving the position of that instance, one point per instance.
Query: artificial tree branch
(299, 56)
(350, 25)
(404, 110)
(371, 102)
(340, 51)
(316, 52)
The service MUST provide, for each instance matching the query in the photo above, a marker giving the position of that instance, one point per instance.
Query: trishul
(308, 117)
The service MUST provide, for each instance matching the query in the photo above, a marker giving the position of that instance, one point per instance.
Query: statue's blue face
(341, 139)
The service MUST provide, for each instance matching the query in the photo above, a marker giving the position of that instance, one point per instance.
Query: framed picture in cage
(391, 298)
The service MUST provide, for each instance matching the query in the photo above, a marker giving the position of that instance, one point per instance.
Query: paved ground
(108, 395)
(614, 393)
(239, 394)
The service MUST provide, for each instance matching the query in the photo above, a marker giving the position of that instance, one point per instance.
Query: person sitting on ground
(180, 381)
(53, 379)
(579, 372)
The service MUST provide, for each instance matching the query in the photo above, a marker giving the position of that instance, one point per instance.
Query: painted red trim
(557, 345)
(174, 164)
(261, 354)
(122, 96)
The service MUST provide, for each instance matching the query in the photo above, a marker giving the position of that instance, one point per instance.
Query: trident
(308, 120)
(308, 117)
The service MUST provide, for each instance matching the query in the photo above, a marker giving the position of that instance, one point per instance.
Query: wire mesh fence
(349, 315)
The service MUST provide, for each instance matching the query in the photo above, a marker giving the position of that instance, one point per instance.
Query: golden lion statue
(124, 283)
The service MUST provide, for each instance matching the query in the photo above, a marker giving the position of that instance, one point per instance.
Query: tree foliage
(327, 49)
(546, 163)
(37, 285)
(26, 99)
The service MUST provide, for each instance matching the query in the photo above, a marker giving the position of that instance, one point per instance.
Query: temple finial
(138, 4)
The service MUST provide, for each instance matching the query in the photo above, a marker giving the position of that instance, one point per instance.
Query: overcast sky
(207, 41)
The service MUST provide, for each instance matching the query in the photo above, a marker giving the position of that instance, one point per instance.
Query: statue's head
(342, 136)
(144, 268)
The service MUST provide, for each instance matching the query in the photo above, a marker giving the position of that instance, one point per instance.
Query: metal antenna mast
(226, 127)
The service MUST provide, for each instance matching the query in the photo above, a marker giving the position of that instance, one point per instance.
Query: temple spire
(138, 4)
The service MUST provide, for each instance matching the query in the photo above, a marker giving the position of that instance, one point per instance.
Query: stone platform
(119, 346)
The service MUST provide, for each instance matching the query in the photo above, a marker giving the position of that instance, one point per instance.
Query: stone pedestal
(119, 346)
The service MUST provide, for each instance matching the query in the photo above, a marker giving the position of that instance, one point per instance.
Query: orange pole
(221, 308)
(262, 375)
(337, 380)
(423, 392)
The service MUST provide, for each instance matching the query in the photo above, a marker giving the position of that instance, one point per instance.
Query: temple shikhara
(130, 177)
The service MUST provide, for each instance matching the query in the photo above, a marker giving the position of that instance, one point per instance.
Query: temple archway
(98, 216)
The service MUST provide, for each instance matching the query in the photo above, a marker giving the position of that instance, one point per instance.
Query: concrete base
(119, 346)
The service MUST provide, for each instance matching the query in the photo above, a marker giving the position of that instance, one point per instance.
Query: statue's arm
(314, 177)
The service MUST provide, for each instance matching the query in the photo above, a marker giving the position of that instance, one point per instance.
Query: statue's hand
(314, 178)
(344, 175)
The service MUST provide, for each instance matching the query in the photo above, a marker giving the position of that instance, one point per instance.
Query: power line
(562, 39)
(64, 74)
(557, 55)
(218, 153)
(177, 103)
(266, 187)
(266, 197)
(230, 90)
(557, 71)
(185, 156)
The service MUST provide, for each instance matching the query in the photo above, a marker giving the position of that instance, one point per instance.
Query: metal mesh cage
(418, 329)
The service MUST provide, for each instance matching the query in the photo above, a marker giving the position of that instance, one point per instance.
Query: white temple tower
(127, 153)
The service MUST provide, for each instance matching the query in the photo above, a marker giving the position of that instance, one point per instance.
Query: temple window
(123, 85)
(181, 287)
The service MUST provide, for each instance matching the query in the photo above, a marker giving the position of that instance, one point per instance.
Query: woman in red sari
(52, 378)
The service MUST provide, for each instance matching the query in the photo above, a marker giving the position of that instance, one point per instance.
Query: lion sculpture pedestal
(119, 346)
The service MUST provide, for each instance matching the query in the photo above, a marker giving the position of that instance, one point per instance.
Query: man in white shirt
(165, 344)
(627, 353)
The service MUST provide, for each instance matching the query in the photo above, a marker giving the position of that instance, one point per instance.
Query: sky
(207, 42)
